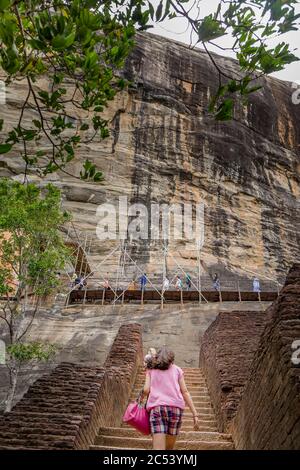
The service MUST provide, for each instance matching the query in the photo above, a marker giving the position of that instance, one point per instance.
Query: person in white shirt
(166, 284)
(178, 283)
(256, 285)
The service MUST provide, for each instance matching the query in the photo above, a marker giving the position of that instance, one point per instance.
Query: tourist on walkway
(150, 356)
(73, 279)
(216, 282)
(143, 281)
(188, 282)
(256, 285)
(178, 283)
(131, 285)
(78, 281)
(106, 283)
(83, 283)
(167, 395)
(166, 284)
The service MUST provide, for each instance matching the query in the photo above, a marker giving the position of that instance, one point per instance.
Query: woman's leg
(170, 442)
(174, 425)
(159, 441)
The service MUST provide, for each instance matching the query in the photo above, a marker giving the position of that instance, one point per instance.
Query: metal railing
(123, 270)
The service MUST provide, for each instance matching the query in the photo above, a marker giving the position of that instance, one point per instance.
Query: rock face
(164, 147)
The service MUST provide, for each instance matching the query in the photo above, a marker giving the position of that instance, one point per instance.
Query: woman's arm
(146, 388)
(188, 400)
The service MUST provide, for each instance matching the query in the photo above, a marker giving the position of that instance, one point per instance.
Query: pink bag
(137, 416)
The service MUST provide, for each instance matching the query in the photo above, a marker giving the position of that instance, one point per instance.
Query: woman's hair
(159, 360)
(164, 358)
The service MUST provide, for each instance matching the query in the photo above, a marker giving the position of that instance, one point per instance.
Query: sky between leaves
(176, 29)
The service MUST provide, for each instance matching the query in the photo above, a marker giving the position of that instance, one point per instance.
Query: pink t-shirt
(164, 387)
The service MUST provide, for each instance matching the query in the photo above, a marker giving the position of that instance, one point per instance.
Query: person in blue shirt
(216, 282)
(143, 281)
(188, 282)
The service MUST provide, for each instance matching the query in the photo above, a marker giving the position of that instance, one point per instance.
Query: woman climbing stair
(167, 395)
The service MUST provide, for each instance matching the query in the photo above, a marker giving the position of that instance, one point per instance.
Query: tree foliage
(31, 248)
(22, 353)
(70, 54)
(32, 252)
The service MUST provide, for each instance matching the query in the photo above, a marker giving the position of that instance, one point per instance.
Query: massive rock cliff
(164, 147)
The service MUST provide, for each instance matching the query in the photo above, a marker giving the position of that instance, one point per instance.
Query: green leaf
(1, 124)
(4, 4)
(4, 148)
(61, 42)
(151, 10)
(209, 29)
(28, 134)
(225, 110)
(98, 176)
(104, 132)
(25, 352)
(37, 123)
(159, 11)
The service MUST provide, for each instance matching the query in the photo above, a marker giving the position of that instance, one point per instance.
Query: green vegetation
(31, 253)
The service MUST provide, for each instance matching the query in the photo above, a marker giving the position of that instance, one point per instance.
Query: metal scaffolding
(81, 244)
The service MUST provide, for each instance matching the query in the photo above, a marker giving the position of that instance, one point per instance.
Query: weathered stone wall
(65, 409)
(268, 416)
(226, 354)
(164, 147)
(254, 386)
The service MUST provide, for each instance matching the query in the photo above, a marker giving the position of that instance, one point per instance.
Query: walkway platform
(135, 296)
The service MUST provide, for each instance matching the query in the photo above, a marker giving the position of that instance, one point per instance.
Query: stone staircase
(206, 438)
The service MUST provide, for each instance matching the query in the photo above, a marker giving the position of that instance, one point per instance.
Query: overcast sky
(177, 29)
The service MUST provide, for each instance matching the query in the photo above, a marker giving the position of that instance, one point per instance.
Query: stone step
(111, 442)
(189, 425)
(204, 425)
(193, 390)
(185, 435)
(206, 428)
(192, 383)
(201, 410)
(206, 437)
(110, 448)
(193, 387)
(187, 375)
(198, 402)
(186, 370)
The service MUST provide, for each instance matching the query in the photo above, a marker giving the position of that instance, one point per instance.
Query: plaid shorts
(165, 420)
